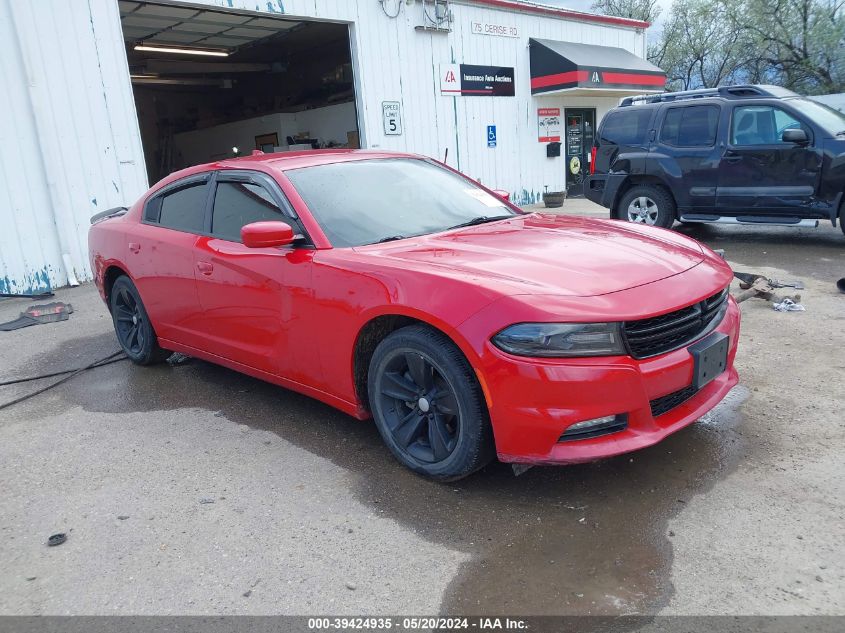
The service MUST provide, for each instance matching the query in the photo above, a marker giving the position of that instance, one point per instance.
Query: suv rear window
(626, 127)
(690, 126)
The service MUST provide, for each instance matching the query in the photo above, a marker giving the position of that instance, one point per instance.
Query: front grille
(619, 423)
(666, 403)
(667, 332)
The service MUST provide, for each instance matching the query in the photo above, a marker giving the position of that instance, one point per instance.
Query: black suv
(738, 154)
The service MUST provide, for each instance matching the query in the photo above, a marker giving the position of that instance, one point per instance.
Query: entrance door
(580, 128)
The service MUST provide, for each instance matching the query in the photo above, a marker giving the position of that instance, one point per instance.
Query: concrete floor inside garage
(741, 513)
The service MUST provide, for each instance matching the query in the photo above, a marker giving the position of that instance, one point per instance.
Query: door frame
(573, 187)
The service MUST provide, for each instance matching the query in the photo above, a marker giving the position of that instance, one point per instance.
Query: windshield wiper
(392, 238)
(481, 219)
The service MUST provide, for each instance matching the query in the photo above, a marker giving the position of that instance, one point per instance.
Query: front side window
(626, 127)
(690, 126)
(366, 201)
(237, 204)
(761, 125)
(184, 209)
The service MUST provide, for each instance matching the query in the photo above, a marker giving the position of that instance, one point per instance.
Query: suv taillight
(593, 160)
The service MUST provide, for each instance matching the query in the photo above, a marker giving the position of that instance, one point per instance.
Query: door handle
(135, 247)
(205, 268)
(731, 157)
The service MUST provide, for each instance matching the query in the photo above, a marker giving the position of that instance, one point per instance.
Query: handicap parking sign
(491, 136)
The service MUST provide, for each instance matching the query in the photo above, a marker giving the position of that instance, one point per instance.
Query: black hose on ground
(69, 373)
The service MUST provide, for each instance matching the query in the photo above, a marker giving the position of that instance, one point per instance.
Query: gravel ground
(194, 490)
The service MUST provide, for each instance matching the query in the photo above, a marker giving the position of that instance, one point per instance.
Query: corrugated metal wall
(72, 147)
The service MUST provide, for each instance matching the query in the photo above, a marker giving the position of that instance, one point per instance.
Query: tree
(802, 42)
(645, 10)
(699, 46)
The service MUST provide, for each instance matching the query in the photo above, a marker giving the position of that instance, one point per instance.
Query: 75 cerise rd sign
(492, 28)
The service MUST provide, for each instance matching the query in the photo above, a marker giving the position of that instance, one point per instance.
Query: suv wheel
(647, 204)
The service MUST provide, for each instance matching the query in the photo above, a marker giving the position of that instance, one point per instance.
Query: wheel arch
(635, 180)
(378, 326)
(110, 275)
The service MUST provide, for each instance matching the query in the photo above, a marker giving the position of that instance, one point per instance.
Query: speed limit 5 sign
(392, 117)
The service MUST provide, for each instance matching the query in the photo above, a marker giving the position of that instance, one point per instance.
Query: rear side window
(626, 127)
(691, 126)
(184, 209)
(237, 204)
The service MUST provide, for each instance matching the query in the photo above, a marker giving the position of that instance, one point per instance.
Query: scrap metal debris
(748, 279)
(761, 287)
(37, 314)
(35, 295)
(788, 305)
(56, 539)
(177, 358)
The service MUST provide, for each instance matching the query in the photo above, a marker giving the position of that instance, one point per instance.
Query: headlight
(561, 339)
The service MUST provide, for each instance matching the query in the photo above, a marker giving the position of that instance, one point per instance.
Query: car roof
(283, 161)
(307, 158)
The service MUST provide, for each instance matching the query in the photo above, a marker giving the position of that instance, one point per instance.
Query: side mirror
(504, 195)
(794, 135)
(264, 234)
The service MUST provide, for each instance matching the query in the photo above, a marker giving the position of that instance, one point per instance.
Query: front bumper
(533, 401)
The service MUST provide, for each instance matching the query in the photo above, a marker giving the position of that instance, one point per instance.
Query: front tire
(428, 405)
(132, 324)
(647, 204)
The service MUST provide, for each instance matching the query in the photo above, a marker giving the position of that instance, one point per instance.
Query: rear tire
(132, 324)
(428, 405)
(647, 204)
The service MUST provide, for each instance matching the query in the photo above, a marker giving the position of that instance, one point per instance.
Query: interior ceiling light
(152, 48)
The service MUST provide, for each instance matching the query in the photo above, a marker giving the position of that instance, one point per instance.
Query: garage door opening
(212, 84)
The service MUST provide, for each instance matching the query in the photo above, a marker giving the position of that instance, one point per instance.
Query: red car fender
(429, 319)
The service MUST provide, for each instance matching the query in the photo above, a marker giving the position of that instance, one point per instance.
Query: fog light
(588, 424)
(595, 427)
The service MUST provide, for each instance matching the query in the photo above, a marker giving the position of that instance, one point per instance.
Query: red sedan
(390, 286)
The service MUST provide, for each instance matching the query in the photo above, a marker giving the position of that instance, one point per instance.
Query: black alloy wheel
(428, 405)
(132, 324)
(419, 407)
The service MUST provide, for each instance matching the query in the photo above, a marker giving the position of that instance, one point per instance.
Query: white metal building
(104, 97)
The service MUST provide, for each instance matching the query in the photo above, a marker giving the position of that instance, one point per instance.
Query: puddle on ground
(587, 539)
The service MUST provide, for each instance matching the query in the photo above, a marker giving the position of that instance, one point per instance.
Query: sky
(584, 5)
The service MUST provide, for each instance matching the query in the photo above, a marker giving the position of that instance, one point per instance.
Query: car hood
(548, 254)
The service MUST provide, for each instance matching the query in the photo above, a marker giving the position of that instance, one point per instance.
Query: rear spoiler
(111, 213)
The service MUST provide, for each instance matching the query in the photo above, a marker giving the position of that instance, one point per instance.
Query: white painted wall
(69, 140)
(215, 143)
(72, 147)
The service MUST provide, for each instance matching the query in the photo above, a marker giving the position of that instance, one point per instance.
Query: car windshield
(367, 201)
(832, 121)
